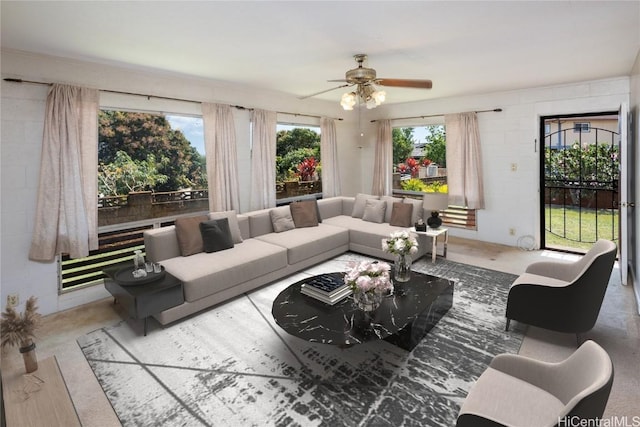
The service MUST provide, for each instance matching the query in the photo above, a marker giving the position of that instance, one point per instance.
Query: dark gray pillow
(216, 235)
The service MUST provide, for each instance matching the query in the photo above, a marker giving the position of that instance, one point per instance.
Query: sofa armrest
(161, 243)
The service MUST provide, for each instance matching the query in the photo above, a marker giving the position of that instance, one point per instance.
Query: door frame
(541, 138)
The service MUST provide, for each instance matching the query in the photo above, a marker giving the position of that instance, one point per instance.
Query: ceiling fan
(365, 80)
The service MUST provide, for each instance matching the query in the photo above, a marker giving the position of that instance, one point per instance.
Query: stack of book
(328, 288)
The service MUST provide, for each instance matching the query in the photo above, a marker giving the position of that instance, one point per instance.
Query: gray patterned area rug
(233, 366)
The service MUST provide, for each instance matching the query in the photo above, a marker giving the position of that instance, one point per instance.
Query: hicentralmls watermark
(614, 421)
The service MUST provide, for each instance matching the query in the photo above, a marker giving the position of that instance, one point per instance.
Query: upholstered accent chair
(520, 391)
(563, 296)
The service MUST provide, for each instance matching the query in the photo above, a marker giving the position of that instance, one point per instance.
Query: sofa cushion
(417, 209)
(216, 235)
(233, 223)
(389, 200)
(281, 219)
(374, 211)
(363, 233)
(304, 213)
(401, 214)
(359, 205)
(304, 243)
(188, 234)
(205, 274)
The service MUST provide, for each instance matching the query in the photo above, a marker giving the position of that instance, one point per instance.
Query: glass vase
(28, 351)
(367, 301)
(402, 268)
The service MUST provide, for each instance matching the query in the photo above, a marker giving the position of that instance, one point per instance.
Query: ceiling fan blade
(418, 84)
(324, 91)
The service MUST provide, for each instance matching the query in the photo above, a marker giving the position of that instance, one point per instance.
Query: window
(582, 127)
(420, 166)
(151, 169)
(298, 167)
(420, 159)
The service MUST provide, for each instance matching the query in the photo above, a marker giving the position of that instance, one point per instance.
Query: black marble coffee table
(403, 318)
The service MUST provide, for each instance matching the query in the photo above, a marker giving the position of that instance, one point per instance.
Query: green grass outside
(580, 227)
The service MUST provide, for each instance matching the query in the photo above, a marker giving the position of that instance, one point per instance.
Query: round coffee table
(403, 318)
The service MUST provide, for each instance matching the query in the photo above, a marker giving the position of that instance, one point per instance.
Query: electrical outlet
(512, 231)
(13, 300)
(514, 167)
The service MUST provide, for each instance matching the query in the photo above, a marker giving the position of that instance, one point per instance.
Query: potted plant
(18, 329)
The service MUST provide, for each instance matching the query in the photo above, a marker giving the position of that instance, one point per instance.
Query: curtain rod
(496, 110)
(239, 107)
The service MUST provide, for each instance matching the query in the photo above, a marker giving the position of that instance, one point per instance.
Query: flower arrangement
(400, 243)
(369, 277)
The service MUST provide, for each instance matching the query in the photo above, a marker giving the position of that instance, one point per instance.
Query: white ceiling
(295, 47)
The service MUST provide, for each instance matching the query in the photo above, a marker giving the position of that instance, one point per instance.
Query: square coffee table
(144, 300)
(403, 318)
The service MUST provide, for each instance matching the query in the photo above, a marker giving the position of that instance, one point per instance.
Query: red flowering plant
(307, 168)
(425, 162)
(410, 166)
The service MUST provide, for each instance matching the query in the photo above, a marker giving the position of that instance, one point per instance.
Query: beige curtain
(382, 163)
(222, 157)
(67, 206)
(263, 159)
(464, 161)
(329, 156)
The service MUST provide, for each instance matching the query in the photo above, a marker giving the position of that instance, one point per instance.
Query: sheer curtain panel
(464, 161)
(329, 156)
(222, 157)
(67, 205)
(263, 159)
(382, 167)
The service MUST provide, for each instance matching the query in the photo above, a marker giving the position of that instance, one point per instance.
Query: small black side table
(142, 301)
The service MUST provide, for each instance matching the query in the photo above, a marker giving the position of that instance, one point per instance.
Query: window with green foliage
(420, 159)
(151, 169)
(298, 167)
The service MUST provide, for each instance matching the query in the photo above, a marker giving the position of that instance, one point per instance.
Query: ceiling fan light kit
(365, 79)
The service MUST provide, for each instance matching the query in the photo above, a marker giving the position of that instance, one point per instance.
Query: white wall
(507, 137)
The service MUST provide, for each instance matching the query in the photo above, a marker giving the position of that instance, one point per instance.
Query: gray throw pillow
(417, 209)
(374, 211)
(281, 219)
(216, 235)
(389, 201)
(358, 206)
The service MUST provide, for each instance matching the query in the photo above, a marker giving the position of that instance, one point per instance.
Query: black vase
(434, 221)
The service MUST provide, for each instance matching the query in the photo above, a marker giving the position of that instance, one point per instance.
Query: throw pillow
(304, 213)
(233, 223)
(216, 235)
(401, 214)
(374, 211)
(188, 234)
(281, 219)
(359, 205)
(389, 201)
(417, 209)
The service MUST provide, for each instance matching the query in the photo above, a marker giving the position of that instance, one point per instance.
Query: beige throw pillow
(233, 223)
(281, 219)
(188, 234)
(389, 200)
(358, 206)
(417, 209)
(374, 211)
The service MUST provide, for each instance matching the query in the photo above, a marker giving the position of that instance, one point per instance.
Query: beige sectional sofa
(261, 255)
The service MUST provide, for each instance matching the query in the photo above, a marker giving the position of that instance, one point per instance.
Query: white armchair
(520, 391)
